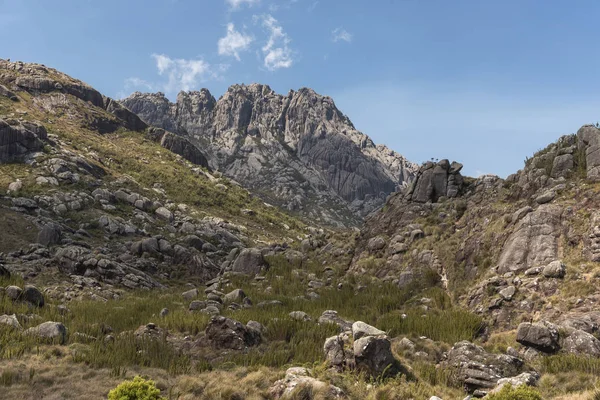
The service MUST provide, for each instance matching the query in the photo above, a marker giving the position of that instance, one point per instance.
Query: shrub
(522, 392)
(136, 389)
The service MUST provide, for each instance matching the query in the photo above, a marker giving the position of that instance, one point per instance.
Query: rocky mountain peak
(298, 151)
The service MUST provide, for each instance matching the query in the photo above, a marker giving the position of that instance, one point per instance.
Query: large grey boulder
(479, 370)
(250, 262)
(226, 333)
(541, 336)
(332, 317)
(556, 269)
(235, 296)
(49, 331)
(583, 343)
(33, 296)
(297, 378)
(360, 329)
(17, 139)
(373, 355)
(334, 351)
(50, 234)
(11, 320)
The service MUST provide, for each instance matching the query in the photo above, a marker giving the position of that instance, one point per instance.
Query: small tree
(136, 389)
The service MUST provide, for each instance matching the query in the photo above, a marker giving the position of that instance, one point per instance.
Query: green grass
(570, 363)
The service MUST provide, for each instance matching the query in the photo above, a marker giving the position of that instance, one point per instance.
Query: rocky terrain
(296, 151)
(127, 250)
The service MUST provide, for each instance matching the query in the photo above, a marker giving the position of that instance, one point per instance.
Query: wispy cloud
(185, 74)
(234, 42)
(137, 83)
(235, 5)
(277, 52)
(341, 34)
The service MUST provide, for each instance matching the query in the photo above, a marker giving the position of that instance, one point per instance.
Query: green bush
(136, 389)
(522, 392)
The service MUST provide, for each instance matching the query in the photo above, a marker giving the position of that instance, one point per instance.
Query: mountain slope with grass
(125, 253)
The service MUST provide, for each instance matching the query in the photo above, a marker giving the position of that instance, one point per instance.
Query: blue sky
(483, 82)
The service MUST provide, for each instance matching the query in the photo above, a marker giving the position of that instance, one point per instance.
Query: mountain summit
(297, 151)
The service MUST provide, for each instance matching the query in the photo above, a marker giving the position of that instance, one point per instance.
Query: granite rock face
(298, 151)
(435, 180)
(19, 138)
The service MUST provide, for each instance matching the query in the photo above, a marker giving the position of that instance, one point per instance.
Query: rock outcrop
(19, 138)
(435, 180)
(298, 151)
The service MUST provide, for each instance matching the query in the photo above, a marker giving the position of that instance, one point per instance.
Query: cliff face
(297, 151)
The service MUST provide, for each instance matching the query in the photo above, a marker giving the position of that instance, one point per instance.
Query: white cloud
(341, 34)
(234, 42)
(235, 5)
(185, 74)
(138, 83)
(277, 53)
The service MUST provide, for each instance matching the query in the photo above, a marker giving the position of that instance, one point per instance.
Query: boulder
(149, 331)
(508, 292)
(50, 234)
(541, 336)
(226, 333)
(360, 329)
(165, 214)
(17, 139)
(526, 378)
(250, 262)
(13, 292)
(50, 331)
(546, 197)
(11, 320)
(373, 355)
(33, 296)
(479, 370)
(300, 316)
(556, 269)
(376, 243)
(332, 317)
(583, 343)
(334, 351)
(299, 378)
(190, 294)
(235, 296)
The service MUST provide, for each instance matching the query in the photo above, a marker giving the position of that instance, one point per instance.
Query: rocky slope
(296, 151)
(513, 249)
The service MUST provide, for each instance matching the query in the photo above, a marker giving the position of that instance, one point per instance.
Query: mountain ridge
(299, 140)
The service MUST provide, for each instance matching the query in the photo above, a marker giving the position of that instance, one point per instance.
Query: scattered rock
(190, 294)
(300, 316)
(33, 296)
(360, 329)
(226, 333)
(541, 336)
(373, 355)
(11, 320)
(49, 331)
(583, 343)
(250, 262)
(556, 269)
(296, 378)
